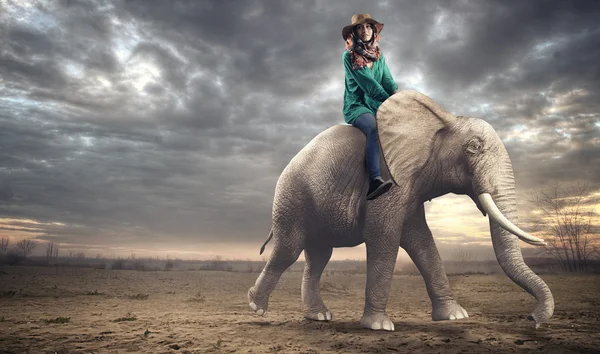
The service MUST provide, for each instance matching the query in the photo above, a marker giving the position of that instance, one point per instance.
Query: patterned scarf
(362, 53)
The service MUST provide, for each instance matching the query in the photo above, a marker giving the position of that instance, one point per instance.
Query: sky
(160, 128)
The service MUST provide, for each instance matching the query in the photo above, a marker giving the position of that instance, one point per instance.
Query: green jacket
(366, 89)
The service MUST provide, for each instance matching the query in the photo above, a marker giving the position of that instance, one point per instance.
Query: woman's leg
(366, 123)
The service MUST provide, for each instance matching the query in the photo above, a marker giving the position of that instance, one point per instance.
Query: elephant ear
(407, 124)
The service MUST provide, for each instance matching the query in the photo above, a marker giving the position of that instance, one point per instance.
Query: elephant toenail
(321, 317)
(260, 312)
(387, 326)
(328, 316)
(376, 326)
(459, 316)
(253, 306)
(452, 317)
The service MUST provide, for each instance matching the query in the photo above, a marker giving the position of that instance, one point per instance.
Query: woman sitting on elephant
(368, 83)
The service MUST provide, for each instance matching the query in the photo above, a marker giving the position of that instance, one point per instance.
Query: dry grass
(95, 292)
(58, 320)
(138, 296)
(198, 297)
(126, 318)
(8, 293)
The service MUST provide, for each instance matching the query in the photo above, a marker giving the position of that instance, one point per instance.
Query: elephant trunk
(508, 251)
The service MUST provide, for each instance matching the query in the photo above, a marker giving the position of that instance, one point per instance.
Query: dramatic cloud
(164, 125)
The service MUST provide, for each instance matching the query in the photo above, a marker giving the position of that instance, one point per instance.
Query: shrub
(118, 264)
(169, 265)
(138, 296)
(197, 298)
(95, 292)
(127, 317)
(58, 320)
(8, 293)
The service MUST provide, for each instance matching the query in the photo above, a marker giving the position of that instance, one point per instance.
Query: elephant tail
(262, 249)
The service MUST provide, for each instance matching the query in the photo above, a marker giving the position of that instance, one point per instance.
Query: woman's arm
(365, 81)
(387, 80)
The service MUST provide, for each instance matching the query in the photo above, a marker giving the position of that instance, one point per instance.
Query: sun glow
(521, 132)
(563, 102)
(141, 73)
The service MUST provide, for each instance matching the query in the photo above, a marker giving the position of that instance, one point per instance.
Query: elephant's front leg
(316, 260)
(381, 258)
(418, 242)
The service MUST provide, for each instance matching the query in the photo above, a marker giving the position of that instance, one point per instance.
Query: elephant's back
(326, 182)
(332, 154)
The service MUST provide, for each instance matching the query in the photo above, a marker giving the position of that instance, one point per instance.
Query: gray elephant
(320, 203)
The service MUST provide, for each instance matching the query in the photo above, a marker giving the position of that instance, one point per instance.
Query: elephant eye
(474, 146)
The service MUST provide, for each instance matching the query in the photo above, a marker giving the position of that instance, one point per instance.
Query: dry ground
(118, 311)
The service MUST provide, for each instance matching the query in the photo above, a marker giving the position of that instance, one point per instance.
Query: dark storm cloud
(152, 120)
(495, 35)
(21, 74)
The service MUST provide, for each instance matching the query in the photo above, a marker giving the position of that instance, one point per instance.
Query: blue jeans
(366, 123)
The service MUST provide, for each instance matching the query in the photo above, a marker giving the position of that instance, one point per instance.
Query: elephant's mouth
(492, 210)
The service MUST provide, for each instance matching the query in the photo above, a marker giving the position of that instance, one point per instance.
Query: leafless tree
(26, 246)
(51, 252)
(566, 222)
(3, 244)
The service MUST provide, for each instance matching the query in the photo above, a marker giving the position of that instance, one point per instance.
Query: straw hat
(359, 19)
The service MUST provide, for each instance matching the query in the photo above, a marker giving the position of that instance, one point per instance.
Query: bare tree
(3, 244)
(567, 224)
(26, 246)
(51, 252)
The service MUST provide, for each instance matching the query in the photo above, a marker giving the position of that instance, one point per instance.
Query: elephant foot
(377, 322)
(448, 310)
(323, 315)
(257, 305)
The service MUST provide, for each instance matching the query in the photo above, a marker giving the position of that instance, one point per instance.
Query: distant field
(67, 310)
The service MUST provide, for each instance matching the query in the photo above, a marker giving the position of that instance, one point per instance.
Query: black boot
(377, 187)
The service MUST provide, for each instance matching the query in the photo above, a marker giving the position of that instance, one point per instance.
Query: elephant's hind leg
(285, 252)
(418, 242)
(316, 260)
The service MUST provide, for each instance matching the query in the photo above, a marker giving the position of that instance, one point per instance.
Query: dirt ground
(119, 311)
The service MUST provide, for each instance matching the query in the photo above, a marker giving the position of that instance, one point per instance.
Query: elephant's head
(435, 153)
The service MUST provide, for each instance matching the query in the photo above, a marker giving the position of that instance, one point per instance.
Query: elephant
(320, 203)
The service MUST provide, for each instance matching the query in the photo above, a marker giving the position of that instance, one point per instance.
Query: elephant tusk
(490, 207)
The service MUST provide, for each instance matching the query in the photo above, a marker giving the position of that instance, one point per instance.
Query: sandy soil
(207, 312)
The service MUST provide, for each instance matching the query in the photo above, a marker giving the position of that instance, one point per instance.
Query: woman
(368, 83)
